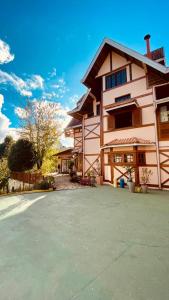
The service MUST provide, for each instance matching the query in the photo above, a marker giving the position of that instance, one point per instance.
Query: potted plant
(92, 178)
(145, 179)
(130, 182)
(70, 165)
(99, 177)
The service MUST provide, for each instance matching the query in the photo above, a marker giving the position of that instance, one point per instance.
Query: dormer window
(116, 79)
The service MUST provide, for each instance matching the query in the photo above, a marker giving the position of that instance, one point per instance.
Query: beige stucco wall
(93, 120)
(78, 140)
(148, 115)
(133, 132)
(153, 178)
(137, 71)
(107, 172)
(135, 88)
(92, 146)
(105, 68)
(118, 61)
(106, 158)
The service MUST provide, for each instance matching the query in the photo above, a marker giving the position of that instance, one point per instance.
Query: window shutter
(110, 122)
(137, 117)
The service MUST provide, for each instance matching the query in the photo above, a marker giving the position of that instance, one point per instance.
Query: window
(116, 79)
(97, 109)
(128, 158)
(141, 158)
(122, 98)
(163, 123)
(123, 120)
(124, 158)
(164, 113)
(118, 158)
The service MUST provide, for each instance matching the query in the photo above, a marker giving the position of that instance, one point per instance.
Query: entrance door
(64, 166)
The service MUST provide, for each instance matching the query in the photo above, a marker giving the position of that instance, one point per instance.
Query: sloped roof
(74, 123)
(129, 141)
(80, 103)
(64, 151)
(108, 43)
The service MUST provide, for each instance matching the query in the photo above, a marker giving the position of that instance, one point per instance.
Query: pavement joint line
(144, 244)
(102, 271)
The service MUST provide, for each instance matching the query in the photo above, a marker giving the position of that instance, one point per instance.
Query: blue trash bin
(122, 183)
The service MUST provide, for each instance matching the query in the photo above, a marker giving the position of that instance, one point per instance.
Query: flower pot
(144, 188)
(131, 186)
(99, 180)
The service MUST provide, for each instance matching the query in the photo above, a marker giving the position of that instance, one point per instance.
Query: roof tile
(126, 141)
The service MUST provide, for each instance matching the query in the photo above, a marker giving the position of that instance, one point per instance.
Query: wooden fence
(31, 178)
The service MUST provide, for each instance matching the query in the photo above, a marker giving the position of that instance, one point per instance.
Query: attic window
(116, 79)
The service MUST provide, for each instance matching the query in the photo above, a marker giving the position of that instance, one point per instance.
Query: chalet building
(123, 119)
(64, 157)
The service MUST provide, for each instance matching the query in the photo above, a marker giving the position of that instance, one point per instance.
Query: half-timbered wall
(78, 141)
(138, 88)
(164, 163)
(91, 143)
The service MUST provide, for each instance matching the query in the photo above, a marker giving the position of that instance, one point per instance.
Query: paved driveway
(86, 244)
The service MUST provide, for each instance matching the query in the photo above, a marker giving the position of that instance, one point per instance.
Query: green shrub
(43, 185)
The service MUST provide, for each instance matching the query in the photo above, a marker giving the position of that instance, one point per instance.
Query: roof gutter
(126, 145)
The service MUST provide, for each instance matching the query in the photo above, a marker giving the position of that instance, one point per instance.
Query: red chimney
(147, 39)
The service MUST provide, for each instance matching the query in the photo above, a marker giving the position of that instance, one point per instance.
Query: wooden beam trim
(92, 138)
(92, 131)
(98, 123)
(115, 70)
(91, 165)
(92, 154)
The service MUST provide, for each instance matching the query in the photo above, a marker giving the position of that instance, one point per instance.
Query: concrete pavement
(86, 244)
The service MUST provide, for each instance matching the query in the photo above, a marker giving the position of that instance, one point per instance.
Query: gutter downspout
(157, 142)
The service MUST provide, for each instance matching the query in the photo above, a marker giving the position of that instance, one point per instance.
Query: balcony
(162, 93)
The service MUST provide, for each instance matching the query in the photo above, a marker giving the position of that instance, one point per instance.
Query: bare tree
(40, 125)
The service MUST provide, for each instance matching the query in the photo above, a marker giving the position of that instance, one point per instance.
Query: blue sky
(53, 42)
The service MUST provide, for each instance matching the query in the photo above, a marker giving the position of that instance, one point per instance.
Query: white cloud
(73, 99)
(35, 82)
(5, 123)
(5, 55)
(53, 73)
(20, 112)
(55, 89)
(24, 87)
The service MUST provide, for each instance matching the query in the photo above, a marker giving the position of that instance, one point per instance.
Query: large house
(123, 119)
